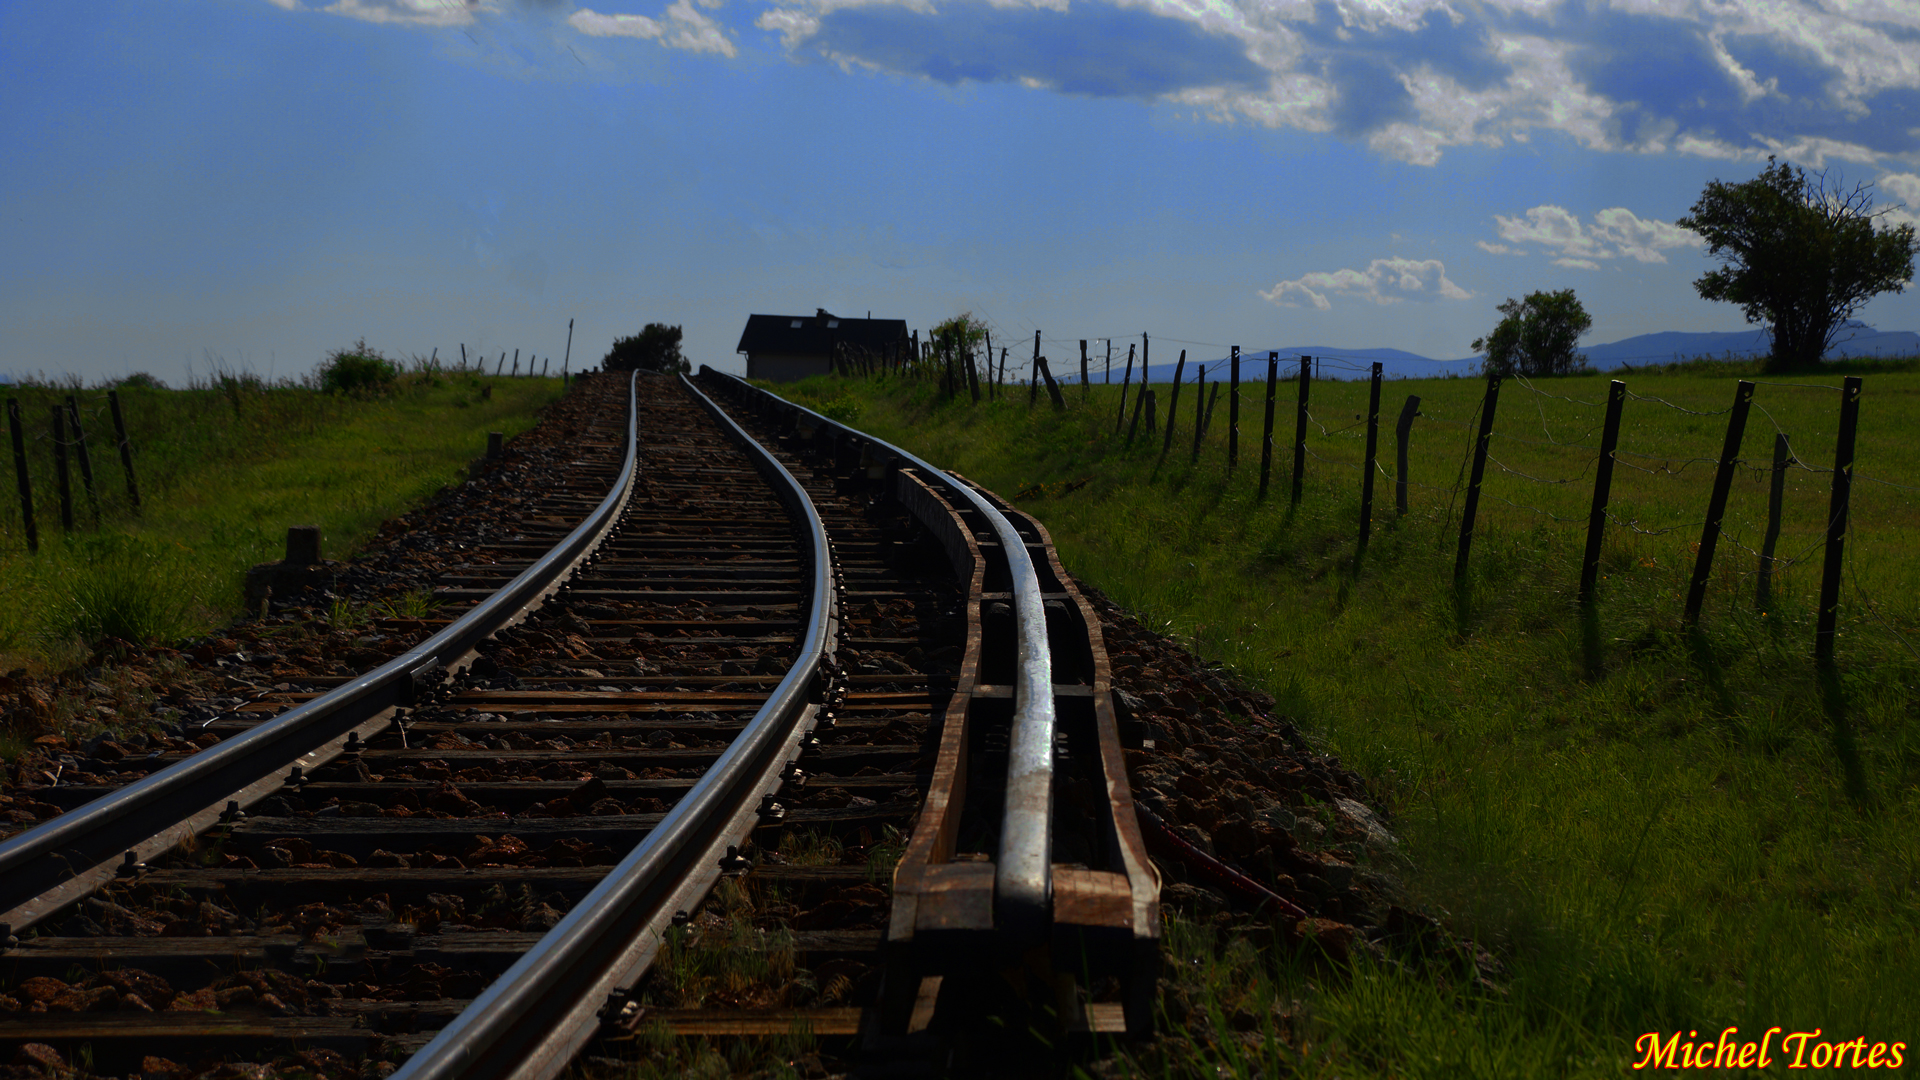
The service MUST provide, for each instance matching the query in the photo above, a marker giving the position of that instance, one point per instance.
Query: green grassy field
(1655, 829)
(223, 471)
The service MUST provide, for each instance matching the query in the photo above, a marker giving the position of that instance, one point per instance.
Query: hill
(1860, 340)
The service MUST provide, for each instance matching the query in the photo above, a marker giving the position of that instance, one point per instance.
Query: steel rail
(533, 1019)
(51, 865)
(1023, 865)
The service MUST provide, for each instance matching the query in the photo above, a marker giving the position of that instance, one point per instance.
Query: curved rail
(47, 867)
(1023, 865)
(531, 1020)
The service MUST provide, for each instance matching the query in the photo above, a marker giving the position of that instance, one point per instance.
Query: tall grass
(121, 587)
(1656, 827)
(224, 467)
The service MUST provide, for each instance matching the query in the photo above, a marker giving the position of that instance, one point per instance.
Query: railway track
(795, 694)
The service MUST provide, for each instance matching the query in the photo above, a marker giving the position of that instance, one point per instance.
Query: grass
(224, 468)
(1656, 828)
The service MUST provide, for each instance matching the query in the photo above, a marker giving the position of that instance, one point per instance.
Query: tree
(1537, 335)
(963, 334)
(656, 348)
(1801, 253)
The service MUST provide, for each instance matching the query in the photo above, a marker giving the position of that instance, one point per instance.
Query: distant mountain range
(1858, 339)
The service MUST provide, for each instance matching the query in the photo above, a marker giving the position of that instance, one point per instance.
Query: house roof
(816, 334)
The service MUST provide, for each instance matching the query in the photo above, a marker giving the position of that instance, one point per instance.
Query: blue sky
(256, 182)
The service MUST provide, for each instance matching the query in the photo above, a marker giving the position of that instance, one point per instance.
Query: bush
(120, 588)
(654, 348)
(359, 370)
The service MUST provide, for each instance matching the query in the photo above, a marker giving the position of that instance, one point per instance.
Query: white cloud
(1615, 232)
(1900, 188)
(402, 12)
(1497, 249)
(1412, 79)
(1814, 152)
(682, 28)
(1551, 227)
(1384, 281)
(1640, 239)
(792, 26)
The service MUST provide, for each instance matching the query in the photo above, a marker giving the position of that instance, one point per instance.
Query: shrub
(655, 348)
(119, 588)
(359, 370)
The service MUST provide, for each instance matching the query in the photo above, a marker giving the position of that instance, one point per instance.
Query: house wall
(776, 367)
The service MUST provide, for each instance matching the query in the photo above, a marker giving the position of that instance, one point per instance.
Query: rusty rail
(1046, 687)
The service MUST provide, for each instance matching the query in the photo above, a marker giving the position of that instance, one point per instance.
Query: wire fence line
(1544, 458)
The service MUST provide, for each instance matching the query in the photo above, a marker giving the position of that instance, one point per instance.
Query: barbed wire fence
(1554, 459)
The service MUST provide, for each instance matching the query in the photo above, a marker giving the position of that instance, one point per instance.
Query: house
(784, 348)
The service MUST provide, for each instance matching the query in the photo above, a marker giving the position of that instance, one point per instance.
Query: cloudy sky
(255, 182)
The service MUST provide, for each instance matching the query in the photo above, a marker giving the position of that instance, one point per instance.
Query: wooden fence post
(1053, 385)
(1233, 412)
(1199, 410)
(1776, 495)
(1003, 366)
(1403, 433)
(1173, 401)
(60, 482)
(1034, 380)
(1717, 502)
(1150, 399)
(565, 358)
(1373, 449)
(1602, 490)
(1837, 522)
(126, 448)
(1300, 432)
(516, 363)
(86, 459)
(1139, 403)
(993, 384)
(1109, 372)
(21, 477)
(1125, 381)
(973, 374)
(1473, 483)
(1266, 438)
(1086, 387)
